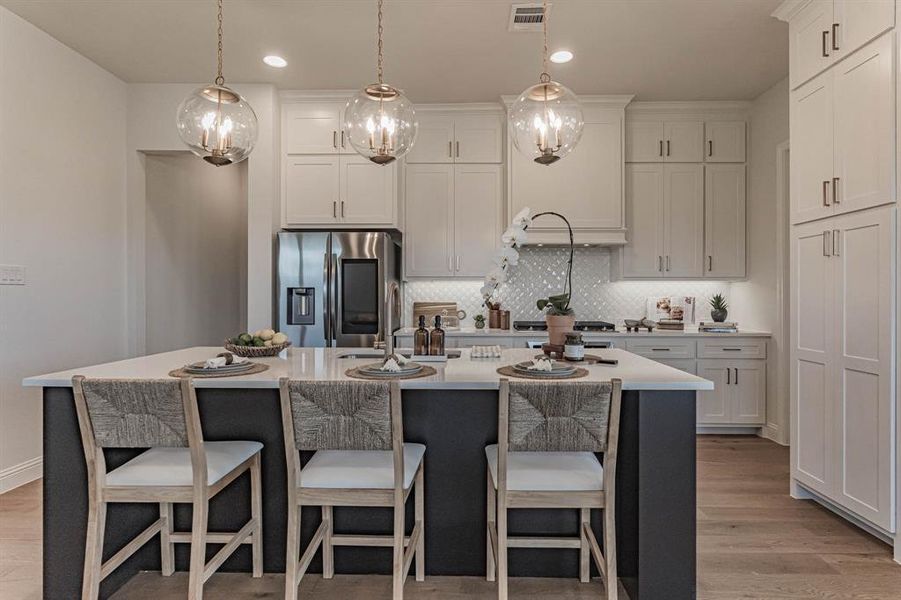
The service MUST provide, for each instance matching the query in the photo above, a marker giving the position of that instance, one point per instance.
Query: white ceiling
(436, 50)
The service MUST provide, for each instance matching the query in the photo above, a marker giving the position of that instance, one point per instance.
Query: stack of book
(670, 325)
(726, 327)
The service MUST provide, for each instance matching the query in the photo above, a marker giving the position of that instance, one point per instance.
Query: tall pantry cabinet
(844, 257)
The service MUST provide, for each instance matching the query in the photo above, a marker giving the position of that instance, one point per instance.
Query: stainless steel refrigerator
(332, 286)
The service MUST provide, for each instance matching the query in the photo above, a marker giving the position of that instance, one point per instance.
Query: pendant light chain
(219, 78)
(380, 42)
(545, 76)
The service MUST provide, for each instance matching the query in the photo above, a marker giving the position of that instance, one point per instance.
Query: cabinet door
(434, 141)
(724, 220)
(311, 190)
(311, 128)
(586, 186)
(683, 215)
(478, 197)
(643, 254)
(713, 405)
(810, 43)
(747, 393)
(367, 191)
(725, 141)
(812, 150)
(812, 360)
(864, 92)
(857, 22)
(864, 263)
(478, 139)
(429, 211)
(644, 141)
(683, 141)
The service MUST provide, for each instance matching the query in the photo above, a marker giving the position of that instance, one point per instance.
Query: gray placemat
(509, 371)
(256, 368)
(357, 374)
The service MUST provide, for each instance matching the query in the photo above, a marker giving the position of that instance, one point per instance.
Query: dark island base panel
(655, 496)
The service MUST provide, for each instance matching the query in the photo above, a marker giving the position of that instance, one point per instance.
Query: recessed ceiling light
(275, 61)
(561, 56)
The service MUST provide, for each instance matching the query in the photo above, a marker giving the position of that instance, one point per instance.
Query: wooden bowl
(256, 351)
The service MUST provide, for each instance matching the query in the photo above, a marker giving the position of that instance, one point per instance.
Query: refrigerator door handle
(327, 296)
(333, 304)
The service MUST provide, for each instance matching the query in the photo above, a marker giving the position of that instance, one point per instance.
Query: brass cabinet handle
(334, 139)
(728, 376)
(661, 147)
(709, 147)
(825, 44)
(826, 193)
(836, 243)
(835, 195)
(835, 36)
(667, 147)
(450, 149)
(458, 149)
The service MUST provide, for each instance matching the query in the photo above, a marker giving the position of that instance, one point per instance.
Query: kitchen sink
(376, 354)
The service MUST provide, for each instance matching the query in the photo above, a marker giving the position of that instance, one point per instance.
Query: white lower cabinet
(842, 361)
(453, 219)
(739, 397)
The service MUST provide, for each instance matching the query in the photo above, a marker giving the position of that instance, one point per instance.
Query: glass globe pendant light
(546, 120)
(216, 122)
(379, 120)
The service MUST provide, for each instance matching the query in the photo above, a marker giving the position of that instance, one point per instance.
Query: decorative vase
(494, 318)
(718, 316)
(558, 326)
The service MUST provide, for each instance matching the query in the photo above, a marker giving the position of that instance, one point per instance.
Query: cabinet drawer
(663, 349)
(729, 348)
(689, 366)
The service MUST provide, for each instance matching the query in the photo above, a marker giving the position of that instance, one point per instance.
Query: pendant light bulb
(546, 120)
(215, 122)
(380, 121)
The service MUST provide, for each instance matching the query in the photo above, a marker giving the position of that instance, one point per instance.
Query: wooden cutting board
(447, 310)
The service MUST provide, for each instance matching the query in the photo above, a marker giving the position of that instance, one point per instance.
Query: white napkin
(401, 359)
(541, 364)
(390, 365)
(486, 352)
(219, 362)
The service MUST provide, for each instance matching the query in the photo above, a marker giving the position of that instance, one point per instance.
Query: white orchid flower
(496, 274)
(514, 236)
(511, 255)
(487, 290)
(523, 218)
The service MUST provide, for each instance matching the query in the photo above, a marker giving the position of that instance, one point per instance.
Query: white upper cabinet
(842, 159)
(478, 204)
(586, 186)
(312, 128)
(826, 31)
(460, 138)
(429, 214)
(683, 141)
(642, 255)
(725, 141)
(683, 210)
(724, 221)
(644, 141)
(325, 183)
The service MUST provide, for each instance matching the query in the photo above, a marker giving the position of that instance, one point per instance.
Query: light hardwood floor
(754, 541)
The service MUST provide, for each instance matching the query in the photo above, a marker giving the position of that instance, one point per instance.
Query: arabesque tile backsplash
(541, 271)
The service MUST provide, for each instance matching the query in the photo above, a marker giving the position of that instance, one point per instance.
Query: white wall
(151, 128)
(756, 301)
(62, 216)
(196, 236)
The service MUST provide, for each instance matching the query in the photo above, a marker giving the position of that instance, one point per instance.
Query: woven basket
(256, 351)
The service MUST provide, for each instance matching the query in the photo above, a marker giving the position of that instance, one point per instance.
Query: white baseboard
(725, 430)
(773, 434)
(20, 474)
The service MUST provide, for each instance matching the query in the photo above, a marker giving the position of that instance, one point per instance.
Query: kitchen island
(454, 413)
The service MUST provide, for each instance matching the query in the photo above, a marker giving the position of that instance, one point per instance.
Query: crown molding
(471, 107)
(702, 106)
(315, 95)
(596, 100)
(788, 9)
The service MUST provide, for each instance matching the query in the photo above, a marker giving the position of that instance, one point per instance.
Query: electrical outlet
(12, 275)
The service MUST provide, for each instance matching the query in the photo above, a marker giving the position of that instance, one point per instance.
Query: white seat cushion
(359, 469)
(172, 466)
(549, 471)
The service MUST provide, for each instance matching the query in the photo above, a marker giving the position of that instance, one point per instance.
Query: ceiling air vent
(527, 17)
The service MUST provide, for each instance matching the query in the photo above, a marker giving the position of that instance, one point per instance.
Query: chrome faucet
(391, 296)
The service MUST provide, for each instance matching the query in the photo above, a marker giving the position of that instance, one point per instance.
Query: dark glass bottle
(436, 338)
(421, 338)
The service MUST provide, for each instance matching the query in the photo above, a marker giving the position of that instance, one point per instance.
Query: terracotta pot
(558, 326)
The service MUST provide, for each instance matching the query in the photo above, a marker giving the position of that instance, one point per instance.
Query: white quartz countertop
(326, 364)
(690, 331)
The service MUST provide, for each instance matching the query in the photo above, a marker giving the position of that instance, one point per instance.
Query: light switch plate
(12, 275)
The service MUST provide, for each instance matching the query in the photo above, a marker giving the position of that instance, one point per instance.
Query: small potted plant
(719, 308)
(559, 317)
(479, 321)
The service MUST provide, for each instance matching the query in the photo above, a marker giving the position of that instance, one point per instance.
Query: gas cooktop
(591, 326)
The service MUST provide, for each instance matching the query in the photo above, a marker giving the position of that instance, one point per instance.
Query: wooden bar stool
(179, 466)
(547, 436)
(355, 427)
